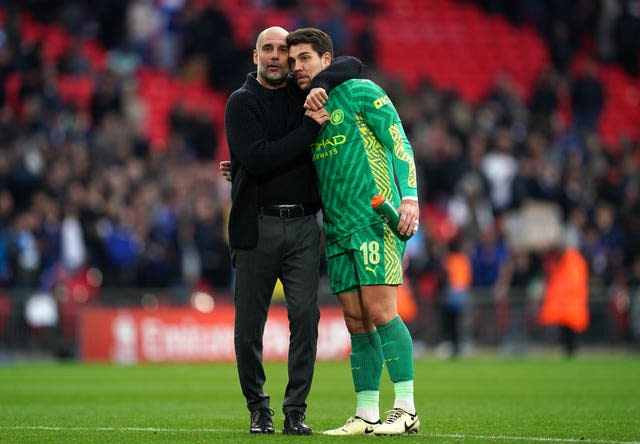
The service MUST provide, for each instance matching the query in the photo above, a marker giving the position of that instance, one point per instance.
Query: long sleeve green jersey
(361, 151)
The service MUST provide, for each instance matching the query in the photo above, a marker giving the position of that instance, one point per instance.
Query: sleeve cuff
(311, 125)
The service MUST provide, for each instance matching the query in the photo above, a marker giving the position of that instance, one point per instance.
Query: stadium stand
(114, 125)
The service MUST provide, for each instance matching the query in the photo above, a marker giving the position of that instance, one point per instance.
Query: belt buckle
(283, 213)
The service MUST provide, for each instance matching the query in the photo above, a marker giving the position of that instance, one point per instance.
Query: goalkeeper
(361, 151)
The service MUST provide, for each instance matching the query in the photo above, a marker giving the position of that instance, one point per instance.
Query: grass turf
(483, 399)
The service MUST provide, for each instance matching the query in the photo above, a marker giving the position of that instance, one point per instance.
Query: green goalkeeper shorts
(370, 256)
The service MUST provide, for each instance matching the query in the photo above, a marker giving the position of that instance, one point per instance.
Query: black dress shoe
(261, 421)
(294, 424)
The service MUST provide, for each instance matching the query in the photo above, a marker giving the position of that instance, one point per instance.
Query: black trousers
(569, 340)
(451, 328)
(288, 249)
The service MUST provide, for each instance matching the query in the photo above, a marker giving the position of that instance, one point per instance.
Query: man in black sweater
(273, 232)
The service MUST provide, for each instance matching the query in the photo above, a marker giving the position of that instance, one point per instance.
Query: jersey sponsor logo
(371, 269)
(332, 141)
(324, 154)
(337, 116)
(327, 147)
(381, 101)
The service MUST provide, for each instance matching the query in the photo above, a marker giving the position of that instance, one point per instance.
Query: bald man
(273, 232)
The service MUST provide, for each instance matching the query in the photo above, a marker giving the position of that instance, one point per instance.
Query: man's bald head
(272, 57)
(272, 33)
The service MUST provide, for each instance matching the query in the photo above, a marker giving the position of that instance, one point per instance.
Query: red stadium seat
(96, 55)
(55, 42)
(76, 90)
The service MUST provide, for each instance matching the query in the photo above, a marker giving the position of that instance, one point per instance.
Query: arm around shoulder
(246, 123)
(342, 69)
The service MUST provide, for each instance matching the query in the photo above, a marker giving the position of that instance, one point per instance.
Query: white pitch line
(427, 434)
(117, 429)
(528, 438)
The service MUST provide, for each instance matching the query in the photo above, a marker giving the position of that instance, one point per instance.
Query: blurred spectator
(634, 310)
(560, 45)
(106, 97)
(143, 24)
(587, 98)
(111, 16)
(196, 130)
(514, 291)
(575, 227)
(427, 276)
(122, 247)
(609, 246)
(365, 43)
(331, 17)
(544, 102)
(544, 164)
(609, 13)
(28, 260)
(605, 244)
(627, 37)
(73, 62)
(565, 299)
(506, 100)
(207, 34)
(6, 63)
(6, 238)
(210, 243)
(487, 257)
(576, 191)
(73, 250)
(166, 48)
(469, 208)
(630, 217)
(499, 165)
(335, 23)
(456, 293)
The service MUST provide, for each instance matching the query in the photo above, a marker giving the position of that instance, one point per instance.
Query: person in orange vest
(566, 296)
(457, 267)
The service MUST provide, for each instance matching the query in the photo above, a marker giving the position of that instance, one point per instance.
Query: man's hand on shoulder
(225, 169)
(319, 116)
(316, 99)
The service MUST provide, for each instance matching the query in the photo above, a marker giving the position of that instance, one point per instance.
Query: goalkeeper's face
(305, 63)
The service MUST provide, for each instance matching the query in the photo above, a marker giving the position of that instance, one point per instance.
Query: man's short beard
(271, 81)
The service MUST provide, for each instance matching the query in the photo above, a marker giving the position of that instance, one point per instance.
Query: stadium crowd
(85, 188)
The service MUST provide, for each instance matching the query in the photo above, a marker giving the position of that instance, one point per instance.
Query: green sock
(366, 361)
(397, 348)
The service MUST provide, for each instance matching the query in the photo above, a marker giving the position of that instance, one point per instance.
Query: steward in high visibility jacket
(566, 294)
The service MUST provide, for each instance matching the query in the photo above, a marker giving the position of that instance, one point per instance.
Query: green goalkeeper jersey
(360, 152)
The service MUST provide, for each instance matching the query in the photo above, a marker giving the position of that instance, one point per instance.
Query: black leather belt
(286, 211)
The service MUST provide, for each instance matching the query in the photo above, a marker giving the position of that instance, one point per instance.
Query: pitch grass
(590, 399)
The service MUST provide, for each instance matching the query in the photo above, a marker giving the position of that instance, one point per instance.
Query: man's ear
(255, 57)
(326, 59)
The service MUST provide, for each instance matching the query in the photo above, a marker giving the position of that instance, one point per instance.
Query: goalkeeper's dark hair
(319, 40)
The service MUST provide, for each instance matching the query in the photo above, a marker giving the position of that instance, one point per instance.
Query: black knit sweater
(268, 138)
